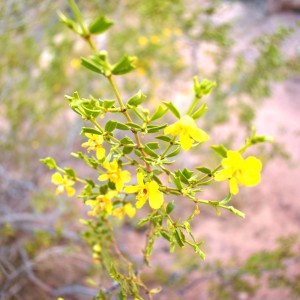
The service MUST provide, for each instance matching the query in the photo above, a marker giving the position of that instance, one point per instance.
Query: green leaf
(170, 207)
(226, 200)
(177, 182)
(200, 111)
(175, 152)
(155, 128)
(152, 145)
(150, 152)
(70, 172)
(125, 65)
(90, 130)
(209, 181)
(204, 170)
(126, 141)
(182, 177)
(160, 111)
(127, 150)
(69, 22)
(220, 149)
(92, 66)
(137, 99)
(178, 238)
(122, 126)
(165, 235)
(187, 173)
(157, 179)
(199, 252)
(108, 103)
(49, 162)
(100, 25)
(90, 182)
(134, 126)
(144, 221)
(110, 126)
(173, 109)
(164, 138)
(76, 11)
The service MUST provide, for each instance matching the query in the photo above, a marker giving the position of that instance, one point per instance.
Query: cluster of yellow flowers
(237, 170)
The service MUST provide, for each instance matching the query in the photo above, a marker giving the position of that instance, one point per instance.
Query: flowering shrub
(147, 151)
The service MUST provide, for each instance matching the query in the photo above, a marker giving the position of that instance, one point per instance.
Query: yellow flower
(64, 184)
(75, 63)
(155, 39)
(144, 191)
(121, 212)
(187, 129)
(101, 204)
(95, 143)
(166, 32)
(143, 41)
(115, 174)
(239, 171)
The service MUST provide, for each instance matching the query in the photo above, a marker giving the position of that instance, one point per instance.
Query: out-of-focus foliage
(263, 268)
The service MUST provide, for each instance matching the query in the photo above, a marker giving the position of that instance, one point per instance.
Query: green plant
(142, 145)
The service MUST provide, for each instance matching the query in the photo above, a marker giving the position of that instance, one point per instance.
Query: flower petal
(140, 202)
(131, 189)
(103, 177)
(156, 198)
(130, 210)
(70, 190)
(199, 135)
(57, 178)
(234, 189)
(173, 129)
(223, 175)
(140, 178)
(100, 153)
(119, 185)
(185, 142)
(125, 176)
(234, 160)
(60, 189)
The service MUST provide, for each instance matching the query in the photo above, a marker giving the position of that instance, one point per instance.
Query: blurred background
(250, 48)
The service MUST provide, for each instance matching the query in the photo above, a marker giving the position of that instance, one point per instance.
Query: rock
(280, 5)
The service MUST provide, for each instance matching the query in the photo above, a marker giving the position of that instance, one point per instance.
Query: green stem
(125, 113)
(168, 148)
(195, 101)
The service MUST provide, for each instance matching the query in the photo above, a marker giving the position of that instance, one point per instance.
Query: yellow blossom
(75, 63)
(141, 71)
(143, 41)
(166, 32)
(239, 171)
(95, 143)
(121, 212)
(146, 190)
(64, 184)
(187, 129)
(101, 204)
(115, 174)
(155, 39)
